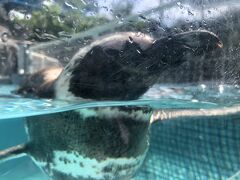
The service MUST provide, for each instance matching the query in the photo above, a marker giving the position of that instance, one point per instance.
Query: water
(189, 146)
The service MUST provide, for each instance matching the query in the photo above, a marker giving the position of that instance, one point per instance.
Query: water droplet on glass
(64, 34)
(161, 28)
(59, 19)
(190, 13)
(203, 86)
(70, 5)
(180, 5)
(28, 16)
(37, 30)
(142, 17)
(118, 16)
(4, 37)
(221, 88)
(21, 71)
(84, 2)
(138, 34)
(105, 7)
(195, 100)
(130, 39)
(138, 51)
(95, 4)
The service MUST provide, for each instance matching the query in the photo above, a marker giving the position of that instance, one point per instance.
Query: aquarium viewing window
(110, 89)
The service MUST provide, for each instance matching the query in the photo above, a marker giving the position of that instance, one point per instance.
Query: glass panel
(110, 89)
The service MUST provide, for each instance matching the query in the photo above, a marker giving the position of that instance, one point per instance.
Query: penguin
(103, 142)
(120, 66)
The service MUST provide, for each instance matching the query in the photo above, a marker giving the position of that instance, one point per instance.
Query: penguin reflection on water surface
(103, 142)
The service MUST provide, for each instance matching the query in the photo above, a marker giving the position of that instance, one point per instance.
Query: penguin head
(176, 49)
(199, 41)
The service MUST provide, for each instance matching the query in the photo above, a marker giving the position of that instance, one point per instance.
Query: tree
(56, 19)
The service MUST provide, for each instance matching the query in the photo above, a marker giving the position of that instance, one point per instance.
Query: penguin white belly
(75, 166)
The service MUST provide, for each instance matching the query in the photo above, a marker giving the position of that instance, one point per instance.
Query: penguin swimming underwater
(103, 142)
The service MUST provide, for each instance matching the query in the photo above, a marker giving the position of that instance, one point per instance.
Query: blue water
(193, 147)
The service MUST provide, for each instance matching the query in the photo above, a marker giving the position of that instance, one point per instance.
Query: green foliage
(51, 20)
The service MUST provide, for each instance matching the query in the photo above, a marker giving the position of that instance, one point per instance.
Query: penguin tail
(13, 152)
